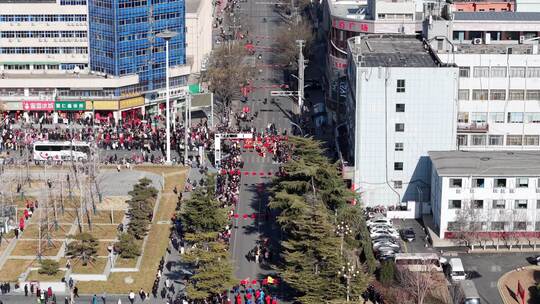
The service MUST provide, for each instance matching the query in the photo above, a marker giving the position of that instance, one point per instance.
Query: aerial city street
(265, 152)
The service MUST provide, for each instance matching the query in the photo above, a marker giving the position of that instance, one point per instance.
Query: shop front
(69, 111)
(39, 111)
(105, 111)
(131, 108)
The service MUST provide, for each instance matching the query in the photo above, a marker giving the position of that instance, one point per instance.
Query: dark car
(407, 234)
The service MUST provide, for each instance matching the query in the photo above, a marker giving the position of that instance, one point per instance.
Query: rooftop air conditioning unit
(477, 41)
(521, 39)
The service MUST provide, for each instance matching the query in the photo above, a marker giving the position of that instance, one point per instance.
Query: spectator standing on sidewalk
(131, 296)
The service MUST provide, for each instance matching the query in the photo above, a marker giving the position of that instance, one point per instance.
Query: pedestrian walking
(76, 292)
(94, 299)
(26, 290)
(104, 298)
(66, 301)
(131, 296)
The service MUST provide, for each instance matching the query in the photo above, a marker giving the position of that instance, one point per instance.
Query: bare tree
(418, 284)
(288, 47)
(471, 219)
(228, 70)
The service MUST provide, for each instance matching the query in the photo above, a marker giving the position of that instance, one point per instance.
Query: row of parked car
(385, 238)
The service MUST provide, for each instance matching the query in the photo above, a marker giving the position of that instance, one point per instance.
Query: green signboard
(194, 88)
(70, 106)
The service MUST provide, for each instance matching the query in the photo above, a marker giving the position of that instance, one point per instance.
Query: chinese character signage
(352, 26)
(70, 106)
(102, 105)
(131, 102)
(38, 105)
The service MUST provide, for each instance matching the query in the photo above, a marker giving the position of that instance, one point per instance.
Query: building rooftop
(497, 16)
(392, 51)
(192, 6)
(486, 163)
(352, 9)
(502, 48)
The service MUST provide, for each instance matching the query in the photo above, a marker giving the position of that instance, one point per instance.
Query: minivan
(457, 273)
(468, 293)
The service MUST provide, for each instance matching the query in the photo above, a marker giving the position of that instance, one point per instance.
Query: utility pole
(301, 68)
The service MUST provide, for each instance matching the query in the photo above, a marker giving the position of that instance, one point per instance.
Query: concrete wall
(199, 34)
(429, 118)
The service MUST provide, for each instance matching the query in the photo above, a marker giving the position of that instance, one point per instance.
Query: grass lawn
(34, 275)
(31, 231)
(125, 263)
(102, 248)
(20, 201)
(29, 248)
(155, 246)
(104, 232)
(97, 267)
(12, 269)
(104, 217)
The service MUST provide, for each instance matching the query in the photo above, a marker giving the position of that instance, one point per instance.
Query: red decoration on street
(236, 216)
(245, 216)
(253, 215)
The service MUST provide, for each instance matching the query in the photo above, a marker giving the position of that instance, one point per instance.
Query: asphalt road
(254, 188)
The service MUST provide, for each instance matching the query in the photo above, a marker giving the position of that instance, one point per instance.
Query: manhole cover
(128, 280)
(484, 158)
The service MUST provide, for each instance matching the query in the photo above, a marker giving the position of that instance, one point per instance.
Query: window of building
(480, 94)
(454, 226)
(537, 204)
(465, 72)
(517, 72)
(531, 140)
(479, 117)
(463, 94)
(478, 140)
(462, 140)
(522, 182)
(496, 140)
(520, 226)
(481, 71)
(499, 183)
(498, 71)
(400, 127)
(456, 182)
(454, 204)
(498, 94)
(398, 146)
(478, 182)
(533, 72)
(497, 226)
(515, 117)
(477, 204)
(532, 117)
(398, 166)
(398, 184)
(463, 117)
(520, 204)
(516, 94)
(498, 204)
(533, 94)
(400, 86)
(537, 226)
(496, 117)
(514, 140)
(400, 107)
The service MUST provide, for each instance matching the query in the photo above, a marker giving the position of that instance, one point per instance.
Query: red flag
(521, 292)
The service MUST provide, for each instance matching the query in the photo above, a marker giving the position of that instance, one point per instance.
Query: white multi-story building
(499, 83)
(43, 35)
(401, 104)
(485, 191)
(198, 33)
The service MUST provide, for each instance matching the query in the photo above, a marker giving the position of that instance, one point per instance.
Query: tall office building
(43, 36)
(123, 38)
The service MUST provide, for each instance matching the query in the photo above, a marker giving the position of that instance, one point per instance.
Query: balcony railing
(473, 127)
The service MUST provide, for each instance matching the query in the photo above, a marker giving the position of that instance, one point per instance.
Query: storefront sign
(11, 106)
(70, 106)
(131, 102)
(38, 105)
(102, 105)
(352, 26)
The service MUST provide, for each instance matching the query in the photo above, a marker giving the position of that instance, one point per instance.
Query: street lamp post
(348, 272)
(342, 230)
(167, 35)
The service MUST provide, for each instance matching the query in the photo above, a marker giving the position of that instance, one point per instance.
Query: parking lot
(484, 269)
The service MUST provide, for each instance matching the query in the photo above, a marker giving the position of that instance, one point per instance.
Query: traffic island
(528, 278)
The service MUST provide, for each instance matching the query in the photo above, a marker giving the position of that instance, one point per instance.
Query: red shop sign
(38, 105)
(351, 25)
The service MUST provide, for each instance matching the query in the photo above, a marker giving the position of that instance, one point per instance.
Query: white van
(457, 272)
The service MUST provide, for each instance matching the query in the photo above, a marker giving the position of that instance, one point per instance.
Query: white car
(380, 226)
(388, 244)
(392, 232)
(378, 221)
(383, 233)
